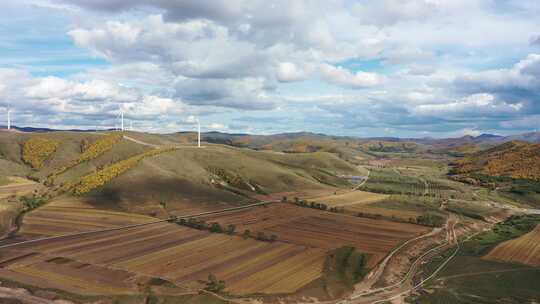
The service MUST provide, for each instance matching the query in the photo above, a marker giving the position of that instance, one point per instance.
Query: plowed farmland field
(323, 230)
(525, 249)
(71, 215)
(180, 255)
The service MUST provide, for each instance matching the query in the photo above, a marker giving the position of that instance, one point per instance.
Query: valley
(128, 217)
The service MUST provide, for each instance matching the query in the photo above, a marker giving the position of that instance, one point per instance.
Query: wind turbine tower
(122, 120)
(9, 118)
(198, 133)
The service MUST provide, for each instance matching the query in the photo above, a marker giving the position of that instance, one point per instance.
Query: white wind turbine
(121, 117)
(192, 120)
(9, 118)
(198, 132)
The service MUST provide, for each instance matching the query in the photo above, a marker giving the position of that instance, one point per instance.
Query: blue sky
(362, 68)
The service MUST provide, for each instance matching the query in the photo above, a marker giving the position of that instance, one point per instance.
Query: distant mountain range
(228, 138)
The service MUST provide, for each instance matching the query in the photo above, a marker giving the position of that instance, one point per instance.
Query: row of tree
(202, 225)
(314, 205)
(230, 229)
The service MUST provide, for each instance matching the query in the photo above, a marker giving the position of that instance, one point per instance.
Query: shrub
(101, 177)
(37, 150)
(230, 229)
(214, 285)
(92, 151)
(216, 228)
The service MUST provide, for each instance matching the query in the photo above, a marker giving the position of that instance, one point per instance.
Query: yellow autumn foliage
(94, 150)
(36, 151)
(92, 181)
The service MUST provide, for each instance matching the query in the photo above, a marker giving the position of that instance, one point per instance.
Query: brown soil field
(116, 262)
(322, 230)
(69, 275)
(70, 215)
(525, 249)
(175, 253)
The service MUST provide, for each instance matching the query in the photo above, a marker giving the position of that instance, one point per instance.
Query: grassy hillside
(113, 171)
(191, 179)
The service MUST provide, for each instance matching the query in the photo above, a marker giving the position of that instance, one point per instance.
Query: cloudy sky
(364, 68)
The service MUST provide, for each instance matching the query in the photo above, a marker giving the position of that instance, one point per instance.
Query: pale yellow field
(525, 249)
(17, 186)
(352, 198)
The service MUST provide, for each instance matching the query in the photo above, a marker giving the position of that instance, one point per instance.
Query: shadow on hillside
(157, 190)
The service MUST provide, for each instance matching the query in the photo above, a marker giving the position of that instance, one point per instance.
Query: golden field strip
(524, 250)
(361, 202)
(351, 199)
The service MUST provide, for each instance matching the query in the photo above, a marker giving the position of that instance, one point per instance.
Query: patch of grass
(511, 228)
(343, 268)
(4, 181)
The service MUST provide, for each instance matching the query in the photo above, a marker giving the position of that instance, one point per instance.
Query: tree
(284, 199)
(261, 236)
(214, 285)
(273, 238)
(246, 234)
(230, 229)
(216, 228)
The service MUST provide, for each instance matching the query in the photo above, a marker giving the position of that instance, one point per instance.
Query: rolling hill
(515, 159)
(158, 174)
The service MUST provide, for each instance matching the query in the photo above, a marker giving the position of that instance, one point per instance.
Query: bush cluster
(91, 151)
(315, 205)
(32, 202)
(103, 176)
(36, 151)
(214, 227)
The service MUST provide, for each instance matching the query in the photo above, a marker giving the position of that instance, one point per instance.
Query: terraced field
(322, 230)
(524, 250)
